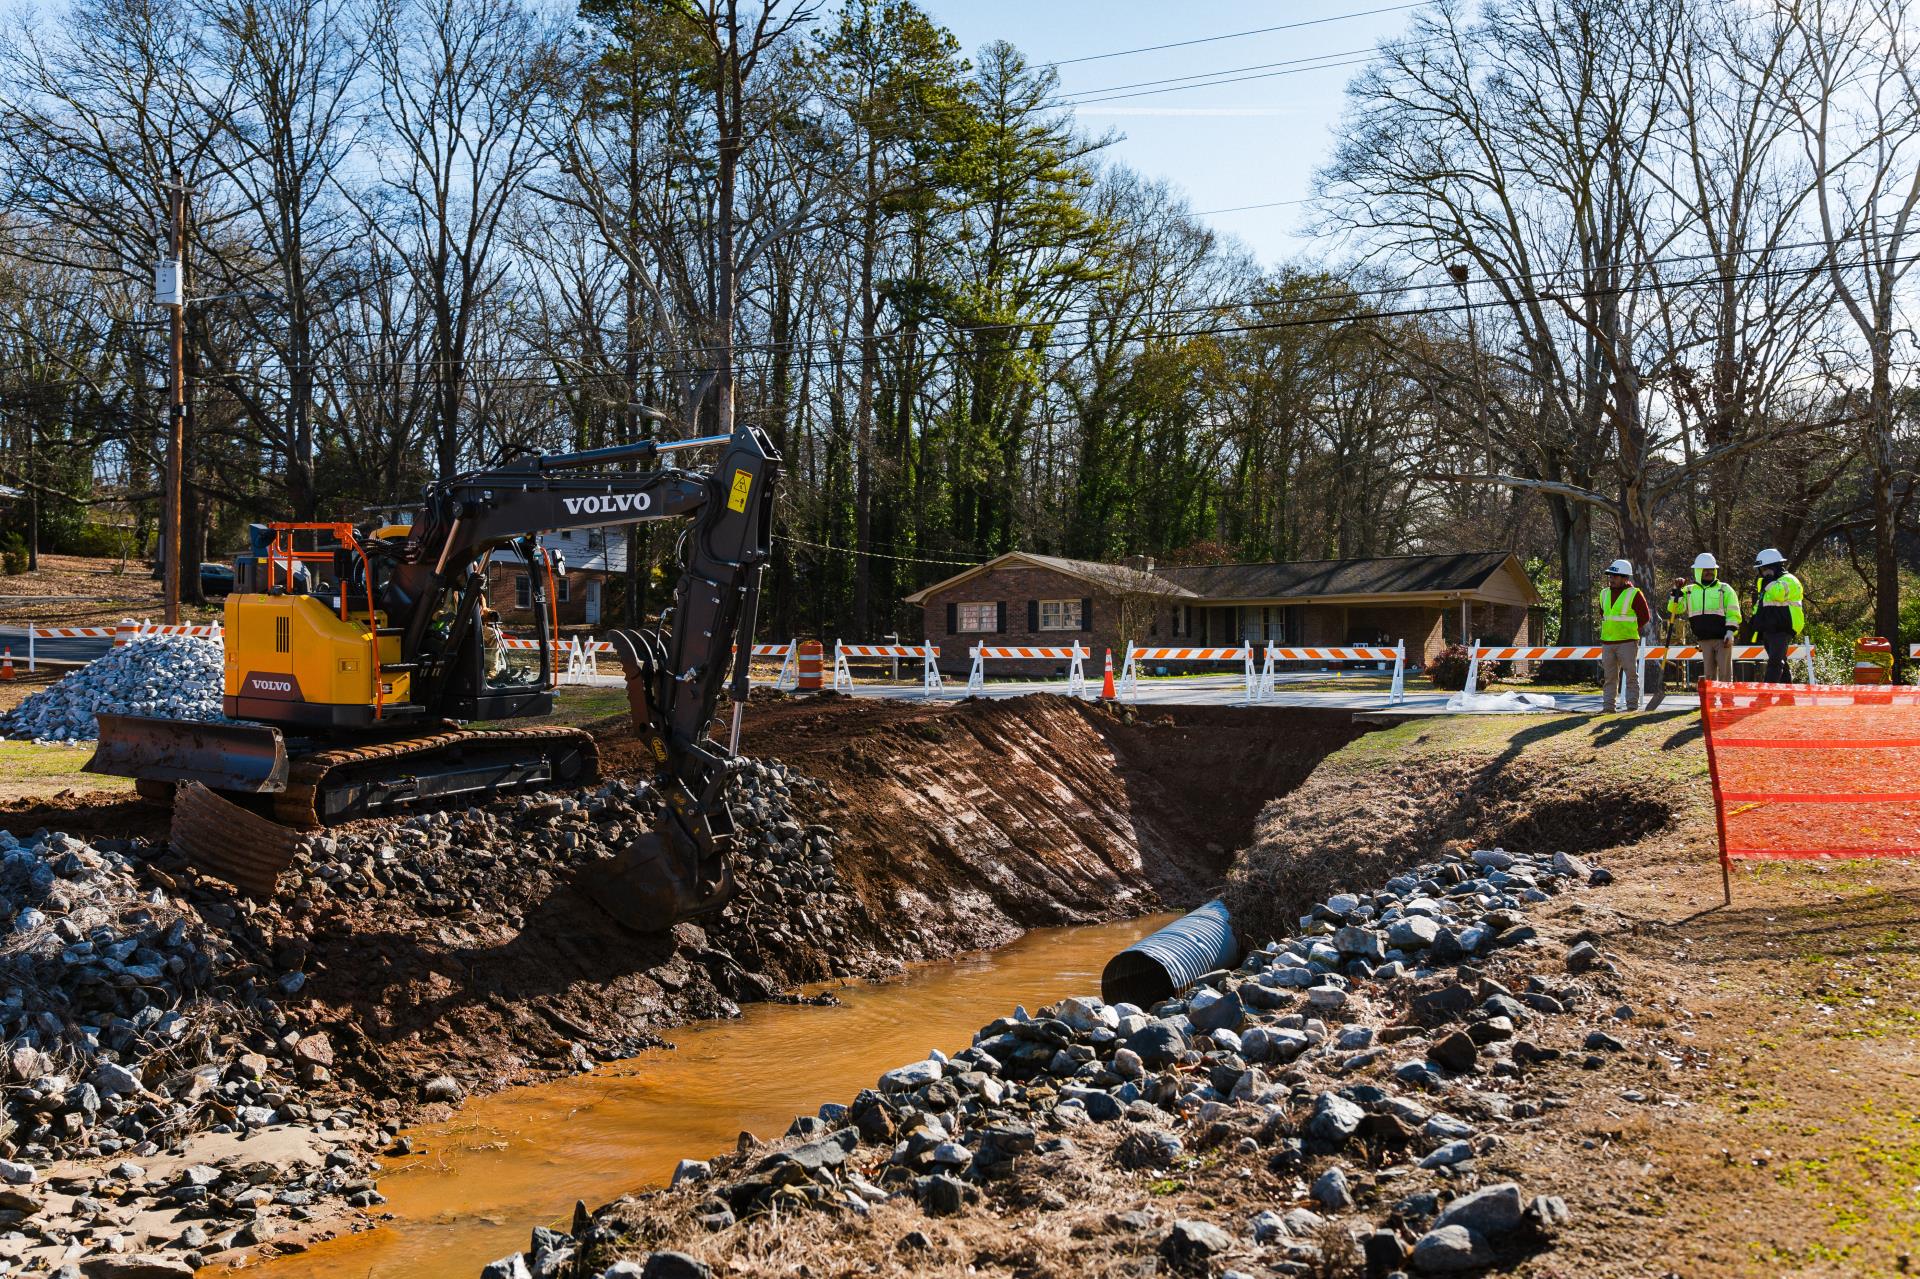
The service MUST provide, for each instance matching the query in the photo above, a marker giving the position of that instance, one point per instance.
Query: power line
(1237, 35)
(1209, 84)
(1223, 71)
(1242, 208)
(875, 555)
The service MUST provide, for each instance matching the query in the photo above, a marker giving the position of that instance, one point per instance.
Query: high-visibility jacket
(1619, 620)
(1780, 608)
(1712, 609)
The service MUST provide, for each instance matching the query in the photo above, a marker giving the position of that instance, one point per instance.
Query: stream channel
(520, 1158)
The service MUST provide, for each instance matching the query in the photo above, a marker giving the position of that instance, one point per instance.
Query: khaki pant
(1616, 658)
(1716, 659)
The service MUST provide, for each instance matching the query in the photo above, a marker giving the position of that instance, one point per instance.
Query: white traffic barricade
(929, 655)
(984, 653)
(1275, 653)
(789, 655)
(1130, 677)
(1591, 653)
(68, 632)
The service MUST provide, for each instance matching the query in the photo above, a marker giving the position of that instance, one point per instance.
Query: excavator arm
(676, 672)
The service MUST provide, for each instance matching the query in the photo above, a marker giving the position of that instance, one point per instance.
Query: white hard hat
(1705, 560)
(1622, 567)
(1768, 556)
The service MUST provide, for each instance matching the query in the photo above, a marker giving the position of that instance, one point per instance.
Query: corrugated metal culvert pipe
(1162, 965)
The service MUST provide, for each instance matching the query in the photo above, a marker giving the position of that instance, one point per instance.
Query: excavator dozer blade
(645, 887)
(233, 757)
(225, 840)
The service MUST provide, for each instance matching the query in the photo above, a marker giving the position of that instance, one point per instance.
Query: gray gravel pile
(1372, 1058)
(167, 676)
(130, 1023)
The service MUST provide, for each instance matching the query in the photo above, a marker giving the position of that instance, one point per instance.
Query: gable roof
(1458, 573)
(1385, 575)
(1114, 578)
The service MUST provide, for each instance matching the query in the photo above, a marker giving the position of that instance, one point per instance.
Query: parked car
(216, 579)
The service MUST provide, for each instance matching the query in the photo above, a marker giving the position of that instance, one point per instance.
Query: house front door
(593, 601)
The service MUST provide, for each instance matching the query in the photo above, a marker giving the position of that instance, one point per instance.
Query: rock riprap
(1382, 1106)
(165, 676)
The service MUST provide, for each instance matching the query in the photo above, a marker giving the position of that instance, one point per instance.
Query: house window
(523, 591)
(562, 587)
(1059, 615)
(978, 619)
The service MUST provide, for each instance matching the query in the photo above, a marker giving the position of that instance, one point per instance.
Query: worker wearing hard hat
(1623, 613)
(1712, 610)
(1779, 618)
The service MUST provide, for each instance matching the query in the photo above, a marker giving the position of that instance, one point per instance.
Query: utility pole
(170, 291)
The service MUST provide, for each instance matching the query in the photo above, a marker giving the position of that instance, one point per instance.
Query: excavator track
(364, 781)
(228, 835)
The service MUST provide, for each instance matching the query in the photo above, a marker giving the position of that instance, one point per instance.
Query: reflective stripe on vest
(1617, 619)
(1696, 598)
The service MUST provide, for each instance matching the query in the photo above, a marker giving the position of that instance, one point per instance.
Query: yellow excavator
(358, 671)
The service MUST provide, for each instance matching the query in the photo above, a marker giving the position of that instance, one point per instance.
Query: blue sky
(1225, 145)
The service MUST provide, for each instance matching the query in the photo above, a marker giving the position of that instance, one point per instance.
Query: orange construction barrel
(1872, 660)
(809, 675)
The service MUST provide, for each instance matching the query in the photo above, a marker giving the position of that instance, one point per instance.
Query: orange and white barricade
(1591, 653)
(789, 655)
(1130, 675)
(68, 632)
(1269, 674)
(929, 655)
(129, 630)
(982, 654)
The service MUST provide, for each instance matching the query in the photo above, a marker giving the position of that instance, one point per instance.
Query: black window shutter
(1033, 616)
(953, 619)
(1086, 613)
(1000, 618)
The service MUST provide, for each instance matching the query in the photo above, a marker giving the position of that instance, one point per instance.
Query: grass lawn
(29, 770)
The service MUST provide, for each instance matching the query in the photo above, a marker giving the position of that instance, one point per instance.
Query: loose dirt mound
(1356, 828)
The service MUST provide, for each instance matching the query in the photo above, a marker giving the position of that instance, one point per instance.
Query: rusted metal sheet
(222, 839)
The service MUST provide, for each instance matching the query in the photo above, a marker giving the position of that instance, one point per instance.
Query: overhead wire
(1238, 35)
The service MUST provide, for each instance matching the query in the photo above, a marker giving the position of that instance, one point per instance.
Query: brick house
(590, 556)
(1430, 601)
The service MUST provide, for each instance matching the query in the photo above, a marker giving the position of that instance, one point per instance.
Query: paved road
(78, 649)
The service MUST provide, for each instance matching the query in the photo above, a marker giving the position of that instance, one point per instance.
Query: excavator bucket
(649, 889)
(232, 757)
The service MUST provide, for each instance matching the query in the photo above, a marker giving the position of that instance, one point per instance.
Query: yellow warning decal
(742, 485)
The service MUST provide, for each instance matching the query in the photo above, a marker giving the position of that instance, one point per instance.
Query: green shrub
(13, 554)
(1449, 669)
(100, 541)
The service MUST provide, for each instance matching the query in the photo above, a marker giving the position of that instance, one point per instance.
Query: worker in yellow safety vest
(1623, 613)
(1780, 616)
(1712, 610)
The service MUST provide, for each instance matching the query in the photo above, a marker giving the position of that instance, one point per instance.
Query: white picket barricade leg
(1077, 673)
(789, 677)
(1398, 693)
(842, 677)
(1252, 676)
(930, 680)
(30, 630)
(977, 676)
(1129, 678)
(1473, 668)
(1269, 678)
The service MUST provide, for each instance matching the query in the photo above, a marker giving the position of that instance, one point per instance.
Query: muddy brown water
(520, 1158)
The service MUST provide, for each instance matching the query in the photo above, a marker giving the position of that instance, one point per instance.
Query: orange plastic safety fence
(1814, 770)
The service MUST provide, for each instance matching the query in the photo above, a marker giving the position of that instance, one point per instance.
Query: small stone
(1210, 1010)
(1601, 1041)
(1570, 866)
(114, 1080)
(1268, 1226)
(1327, 997)
(1456, 1053)
(1448, 1249)
(907, 1078)
(689, 1170)
(1334, 1119)
(1454, 1152)
(675, 1265)
(1331, 1191)
(1412, 932)
(1158, 1043)
(945, 1195)
(1582, 957)
(1489, 1212)
(136, 1266)
(1190, 1243)
(15, 1174)
(443, 1088)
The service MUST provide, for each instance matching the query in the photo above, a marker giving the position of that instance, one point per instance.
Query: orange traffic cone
(6, 665)
(1107, 692)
